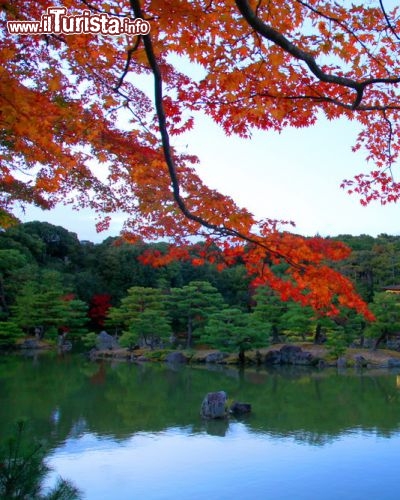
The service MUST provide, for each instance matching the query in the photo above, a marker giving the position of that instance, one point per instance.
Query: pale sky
(294, 175)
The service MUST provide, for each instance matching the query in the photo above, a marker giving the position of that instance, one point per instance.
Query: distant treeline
(43, 262)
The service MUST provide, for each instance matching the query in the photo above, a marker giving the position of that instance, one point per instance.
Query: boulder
(359, 361)
(273, 358)
(341, 362)
(393, 362)
(289, 355)
(106, 341)
(214, 405)
(216, 357)
(240, 408)
(294, 355)
(30, 344)
(176, 357)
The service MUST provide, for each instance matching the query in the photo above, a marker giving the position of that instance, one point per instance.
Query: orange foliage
(77, 128)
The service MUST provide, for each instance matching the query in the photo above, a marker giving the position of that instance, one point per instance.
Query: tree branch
(388, 20)
(274, 36)
(345, 27)
(222, 230)
(389, 144)
(127, 63)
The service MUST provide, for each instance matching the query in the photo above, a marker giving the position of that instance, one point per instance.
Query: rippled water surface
(122, 431)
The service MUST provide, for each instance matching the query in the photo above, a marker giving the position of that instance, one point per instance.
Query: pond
(125, 431)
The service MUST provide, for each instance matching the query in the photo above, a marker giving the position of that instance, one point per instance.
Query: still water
(122, 431)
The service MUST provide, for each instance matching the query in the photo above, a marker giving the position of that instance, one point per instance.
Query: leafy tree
(373, 263)
(60, 245)
(10, 262)
(264, 67)
(117, 266)
(386, 307)
(232, 329)
(98, 309)
(30, 245)
(191, 305)
(234, 285)
(386, 259)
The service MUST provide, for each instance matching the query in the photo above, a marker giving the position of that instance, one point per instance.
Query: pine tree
(233, 330)
(386, 307)
(142, 315)
(9, 333)
(191, 305)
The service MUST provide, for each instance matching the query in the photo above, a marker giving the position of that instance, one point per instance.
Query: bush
(337, 342)
(90, 340)
(23, 469)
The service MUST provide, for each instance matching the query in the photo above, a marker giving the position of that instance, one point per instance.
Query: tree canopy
(77, 127)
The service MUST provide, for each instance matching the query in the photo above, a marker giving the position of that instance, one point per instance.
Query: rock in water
(214, 405)
(238, 408)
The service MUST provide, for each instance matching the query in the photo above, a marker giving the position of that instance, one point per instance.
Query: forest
(51, 284)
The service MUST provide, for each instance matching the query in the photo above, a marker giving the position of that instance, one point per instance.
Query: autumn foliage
(81, 123)
(98, 309)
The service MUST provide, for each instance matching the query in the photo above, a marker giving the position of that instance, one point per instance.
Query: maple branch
(317, 98)
(223, 230)
(345, 27)
(388, 22)
(158, 95)
(276, 37)
(127, 63)
(322, 98)
(389, 144)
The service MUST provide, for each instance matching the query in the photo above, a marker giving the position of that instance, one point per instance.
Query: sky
(294, 175)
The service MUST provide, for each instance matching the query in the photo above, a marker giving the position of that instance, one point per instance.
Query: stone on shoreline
(216, 357)
(106, 341)
(289, 355)
(176, 357)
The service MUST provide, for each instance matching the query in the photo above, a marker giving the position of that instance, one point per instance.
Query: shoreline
(294, 354)
(301, 354)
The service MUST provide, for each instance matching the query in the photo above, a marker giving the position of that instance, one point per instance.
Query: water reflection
(177, 464)
(68, 394)
(122, 425)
